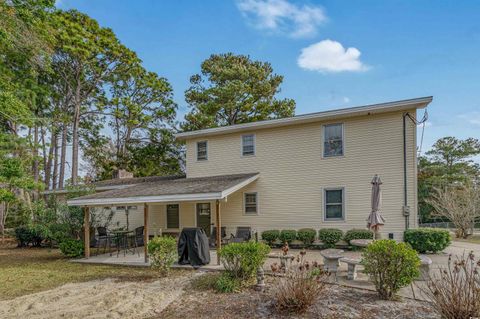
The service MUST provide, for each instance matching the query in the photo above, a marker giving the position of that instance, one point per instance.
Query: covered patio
(168, 207)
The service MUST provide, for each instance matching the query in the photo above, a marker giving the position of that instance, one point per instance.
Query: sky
(332, 54)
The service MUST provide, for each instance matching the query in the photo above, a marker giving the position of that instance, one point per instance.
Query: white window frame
(206, 151)
(166, 216)
(245, 204)
(324, 140)
(254, 145)
(325, 219)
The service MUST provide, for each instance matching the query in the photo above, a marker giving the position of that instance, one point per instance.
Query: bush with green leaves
(390, 265)
(241, 260)
(306, 235)
(31, 235)
(357, 234)
(330, 236)
(163, 253)
(270, 236)
(72, 248)
(428, 239)
(287, 235)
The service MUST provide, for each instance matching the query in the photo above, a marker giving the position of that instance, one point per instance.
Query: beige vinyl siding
(293, 173)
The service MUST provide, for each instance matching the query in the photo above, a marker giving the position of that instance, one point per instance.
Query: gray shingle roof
(134, 180)
(165, 187)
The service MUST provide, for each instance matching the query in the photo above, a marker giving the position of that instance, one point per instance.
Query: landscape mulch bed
(335, 302)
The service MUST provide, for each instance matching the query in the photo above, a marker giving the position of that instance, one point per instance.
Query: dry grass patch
(29, 270)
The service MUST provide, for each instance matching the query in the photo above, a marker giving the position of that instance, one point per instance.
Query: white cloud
(427, 124)
(346, 99)
(472, 117)
(283, 16)
(330, 56)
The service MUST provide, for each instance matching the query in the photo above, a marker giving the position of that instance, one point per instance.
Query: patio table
(122, 243)
(330, 259)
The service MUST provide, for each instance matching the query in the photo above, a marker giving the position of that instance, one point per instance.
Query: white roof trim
(161, 198)
(145, 199)
(312, 117)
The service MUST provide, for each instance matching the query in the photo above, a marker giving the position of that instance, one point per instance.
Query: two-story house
(308, 171)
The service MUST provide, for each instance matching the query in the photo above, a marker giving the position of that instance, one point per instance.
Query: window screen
(333, 140)
(248, 145)
(251, 205)
(334, 208)
(201, 151)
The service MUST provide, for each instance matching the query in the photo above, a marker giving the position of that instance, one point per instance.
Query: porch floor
(139, 261)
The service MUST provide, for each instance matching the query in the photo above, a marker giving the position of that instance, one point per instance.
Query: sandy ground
(97, 299)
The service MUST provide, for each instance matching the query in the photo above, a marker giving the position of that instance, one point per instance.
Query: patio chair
(102, 239)
(213, 236)
(242, 234)
(139, 240)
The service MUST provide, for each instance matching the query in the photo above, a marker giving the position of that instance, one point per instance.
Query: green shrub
(390, 265)
(59, 232)
(31, 234)
(163, 253)
(241, 260)
(287, 235)
(227, 283)
(72, 248)
(330, 236)
(306, 235)
(428, 239)
(270, 236)
(358, 234)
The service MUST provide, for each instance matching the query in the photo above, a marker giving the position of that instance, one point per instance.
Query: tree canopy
(233, 89)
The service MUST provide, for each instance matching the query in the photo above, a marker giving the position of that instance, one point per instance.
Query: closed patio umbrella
(375, 219)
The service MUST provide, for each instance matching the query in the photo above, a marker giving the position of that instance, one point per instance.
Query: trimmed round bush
(306, 235)
(241, 260)
(72, 248)
(427, 239)
(270, 236)
(288, 235)
(390, 266)
(330, 236)
(357, 234)
(163, 253)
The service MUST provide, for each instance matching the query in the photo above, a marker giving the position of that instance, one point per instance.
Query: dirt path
(97, 299)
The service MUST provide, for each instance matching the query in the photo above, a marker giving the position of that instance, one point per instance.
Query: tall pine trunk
(55, 161)
(63, 156)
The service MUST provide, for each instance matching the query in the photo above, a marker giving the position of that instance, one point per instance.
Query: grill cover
(193, 247)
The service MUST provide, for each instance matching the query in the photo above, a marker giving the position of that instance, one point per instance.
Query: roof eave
(162, 198)
(403, 105)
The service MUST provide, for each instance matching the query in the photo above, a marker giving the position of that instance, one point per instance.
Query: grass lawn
(28, 270)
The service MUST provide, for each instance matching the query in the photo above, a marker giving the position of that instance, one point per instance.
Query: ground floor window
(173, 220)
(251, 203)
(334, 207)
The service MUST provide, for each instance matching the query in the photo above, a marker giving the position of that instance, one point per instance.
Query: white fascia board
(235, 188)
(312, 117)
(144, 199)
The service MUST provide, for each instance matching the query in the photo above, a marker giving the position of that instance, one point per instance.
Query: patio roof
(180, 189)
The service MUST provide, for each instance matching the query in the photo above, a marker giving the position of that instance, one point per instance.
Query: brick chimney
(122, 173)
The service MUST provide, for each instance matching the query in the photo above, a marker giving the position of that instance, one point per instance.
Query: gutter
(405, 208)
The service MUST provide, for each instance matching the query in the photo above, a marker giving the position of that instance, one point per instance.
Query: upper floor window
(334, 208)
(333, 140)
(251, 203)
(248, 144)
(173, 220)
(202, 151)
